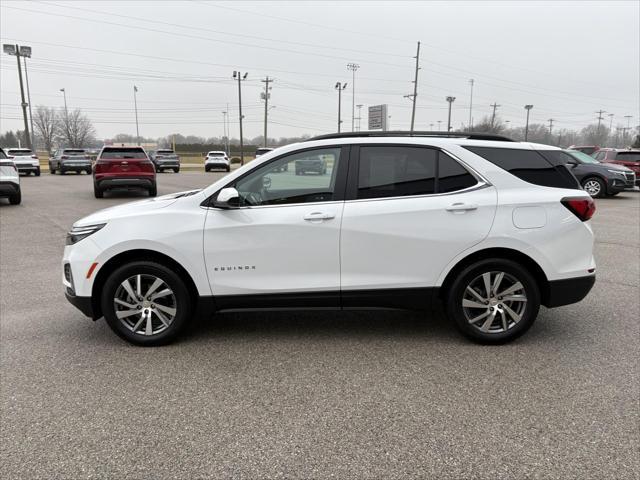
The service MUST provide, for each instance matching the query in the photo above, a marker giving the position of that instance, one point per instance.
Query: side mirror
(572, 163)
(227, 198)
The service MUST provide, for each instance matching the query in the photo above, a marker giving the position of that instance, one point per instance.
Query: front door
(411, 211)
(281, 246)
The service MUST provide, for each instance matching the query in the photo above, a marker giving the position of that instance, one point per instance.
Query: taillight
(581, 207)
(147, 166)
(34, 156)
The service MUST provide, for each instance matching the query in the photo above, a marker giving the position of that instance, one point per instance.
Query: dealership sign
(378, 117)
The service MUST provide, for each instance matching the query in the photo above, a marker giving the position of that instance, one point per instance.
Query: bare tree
(595, 134)
(488, 126)
(47, 125)
(76, 129)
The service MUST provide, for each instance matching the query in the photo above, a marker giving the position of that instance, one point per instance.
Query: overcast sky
(568, 59)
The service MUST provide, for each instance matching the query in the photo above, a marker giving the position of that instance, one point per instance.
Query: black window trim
(339, 188)
(354, 166)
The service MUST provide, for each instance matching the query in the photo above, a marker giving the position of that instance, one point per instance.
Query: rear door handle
(317, 216)
(461, 207)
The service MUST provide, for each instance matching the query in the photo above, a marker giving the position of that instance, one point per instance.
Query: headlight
(616, 171)
(78, 233)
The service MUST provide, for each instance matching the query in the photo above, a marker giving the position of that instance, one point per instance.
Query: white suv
(490, 227)
(9, 180)
(26, 160)
(215, 160)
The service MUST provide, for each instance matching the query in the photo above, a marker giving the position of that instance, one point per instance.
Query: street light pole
(26, 76)
(340, 87)
(353, 67)
(224, 129)
(135, 103)
(21, 51)
(450, 100)
(266, 96)
(469, 126)
(526, 127)
(64, 93)
(239, 76)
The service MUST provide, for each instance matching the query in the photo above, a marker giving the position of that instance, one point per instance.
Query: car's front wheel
(16, 198)
(146, 303)
(594, 187)
(493, 301)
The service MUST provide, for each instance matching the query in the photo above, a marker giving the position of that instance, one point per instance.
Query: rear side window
(73, 151)
(629, 156)
(530, 166)
(396, 171)
(120, 153)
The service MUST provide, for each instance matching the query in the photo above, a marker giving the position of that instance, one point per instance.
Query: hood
(614, 166)
(133, 208)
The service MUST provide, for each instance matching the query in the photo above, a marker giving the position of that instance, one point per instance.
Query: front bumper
(83, 304)
(615, 185)
(567, 291)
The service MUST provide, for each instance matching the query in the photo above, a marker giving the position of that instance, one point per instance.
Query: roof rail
(404, 133)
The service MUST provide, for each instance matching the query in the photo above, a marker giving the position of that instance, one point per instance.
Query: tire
(206, 169)
(228, 169)
(37, 172)
(176, 170)
(98, 192)
(153, 191)
(524, 312)
(88, 171)
(594, 187)
(152, 330)
(52, 170)
(62, 171)
(16, 198)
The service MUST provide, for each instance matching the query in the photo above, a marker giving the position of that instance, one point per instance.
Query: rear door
(630, 159)
(409, 211)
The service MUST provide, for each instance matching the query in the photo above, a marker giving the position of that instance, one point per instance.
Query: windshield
(216, 154)
(123, 153)
(582, 157)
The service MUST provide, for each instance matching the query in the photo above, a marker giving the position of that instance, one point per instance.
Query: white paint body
(359, 244)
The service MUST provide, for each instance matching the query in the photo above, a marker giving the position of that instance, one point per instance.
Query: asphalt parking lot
(310, 395)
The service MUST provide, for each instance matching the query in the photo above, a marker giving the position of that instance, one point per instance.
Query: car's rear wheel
(206, 169)
(52, 170)
(62, 171)
(16, 198)
(176, 170)
(88, 170)
(98, 192)
(37, 172)
(493, 301)
(153, 191)
(594, 187)
(146, 303)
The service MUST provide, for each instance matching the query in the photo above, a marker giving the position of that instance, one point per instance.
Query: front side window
(600, 156)
(303, 177)
(399, 171)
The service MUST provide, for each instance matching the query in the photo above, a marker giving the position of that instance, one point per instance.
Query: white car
(25, 159)
(9, 180)
(490, 227)
(217, 160)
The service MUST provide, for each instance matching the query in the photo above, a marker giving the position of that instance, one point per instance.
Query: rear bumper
(27, 168)
(168, 165)
(568, 291)
(216, 165)
(76, 166)
(124, 182)
(9, 188)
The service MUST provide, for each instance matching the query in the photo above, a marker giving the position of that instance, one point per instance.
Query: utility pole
(470, 126)
(431, 127)
(224, 130)
(610, 121)
(64, 94)
(353, 67)
(526, 128)
(340, 87)
(493, 115)
(551, 120)
(600, 118)
(228, 131)
(240, 77)
(135, 103)
(450, 100)
(359, 117)
(415, 88)
(265, 97)
(21, 51)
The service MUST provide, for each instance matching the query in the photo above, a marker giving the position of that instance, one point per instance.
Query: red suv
(628, 158)
(123, 167)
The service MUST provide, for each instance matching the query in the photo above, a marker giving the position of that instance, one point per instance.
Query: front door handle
(461, 207)
(318, 216)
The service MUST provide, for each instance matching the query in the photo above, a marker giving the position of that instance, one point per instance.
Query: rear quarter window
(629, 157)
(545, 168)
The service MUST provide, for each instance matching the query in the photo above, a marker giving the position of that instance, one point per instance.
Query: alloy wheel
(145, 304)
(592, 187)
(494, 302)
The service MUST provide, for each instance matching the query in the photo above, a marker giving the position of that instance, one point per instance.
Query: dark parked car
(599, 179)
(70, 160)
(124, 167)
(588, 149)
(314, 163)
(166, 159)
(627, 158)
